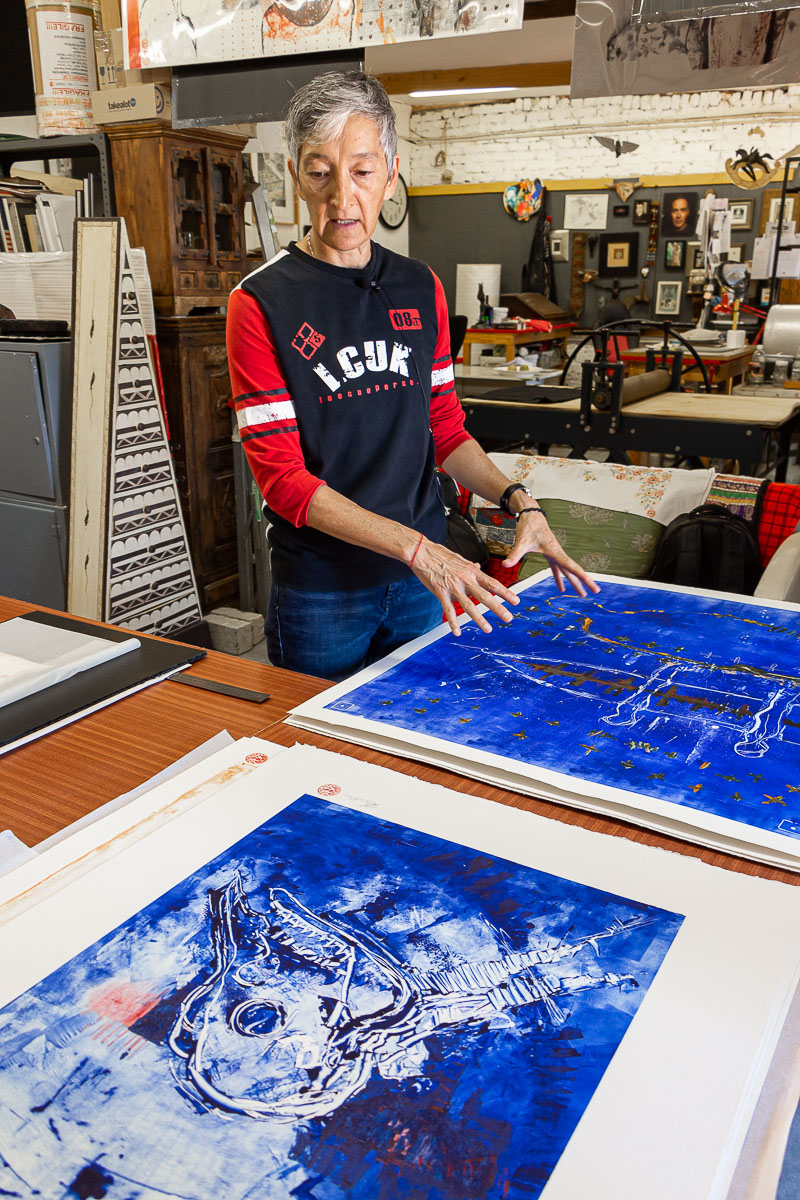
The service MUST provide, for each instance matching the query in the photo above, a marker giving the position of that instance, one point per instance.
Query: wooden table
(53, 780)
(690, 425)
(724, 366)
(511, 339)
(57, 779)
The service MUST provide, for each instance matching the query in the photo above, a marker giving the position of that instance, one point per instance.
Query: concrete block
(253, 619)
(230, 635)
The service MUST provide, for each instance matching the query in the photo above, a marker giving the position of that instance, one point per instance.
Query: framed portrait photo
(619, 254)
(641, 212)
(674, 254)
(668, 298)
(741, 214)
(679, 215)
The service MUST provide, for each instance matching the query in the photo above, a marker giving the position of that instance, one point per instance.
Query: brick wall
(551, 136)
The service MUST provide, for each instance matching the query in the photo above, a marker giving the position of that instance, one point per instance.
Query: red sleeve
(265, 412)
(447, 415)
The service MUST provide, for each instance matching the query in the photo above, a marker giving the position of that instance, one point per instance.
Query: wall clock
(395, 210)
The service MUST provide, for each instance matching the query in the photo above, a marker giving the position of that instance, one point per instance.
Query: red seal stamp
(256, 757)
(328, 789)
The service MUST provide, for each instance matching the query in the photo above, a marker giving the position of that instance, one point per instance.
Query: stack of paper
(36, 656)
(37, 286)
(669, 707)
(393, 988)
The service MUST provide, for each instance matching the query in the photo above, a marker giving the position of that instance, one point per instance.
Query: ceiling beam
(521, 75)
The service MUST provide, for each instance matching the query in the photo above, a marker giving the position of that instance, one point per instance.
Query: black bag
(462, 534)
(709, 547)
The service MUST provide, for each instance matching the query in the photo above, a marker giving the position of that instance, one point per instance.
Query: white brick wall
(552, 136)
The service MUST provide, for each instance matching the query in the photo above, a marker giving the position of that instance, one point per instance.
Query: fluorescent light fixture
(464, 91)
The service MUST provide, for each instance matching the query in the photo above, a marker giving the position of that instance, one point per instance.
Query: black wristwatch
(508, 493)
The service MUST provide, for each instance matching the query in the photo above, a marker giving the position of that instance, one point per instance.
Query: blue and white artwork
(667, 694)
(336, 1007)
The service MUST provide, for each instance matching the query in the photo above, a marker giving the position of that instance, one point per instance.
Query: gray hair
(319, 111)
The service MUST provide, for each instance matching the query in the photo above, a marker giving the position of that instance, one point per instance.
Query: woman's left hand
(534, 536)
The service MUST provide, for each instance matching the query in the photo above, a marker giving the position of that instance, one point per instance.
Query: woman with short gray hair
(343, 386)
(319, 112)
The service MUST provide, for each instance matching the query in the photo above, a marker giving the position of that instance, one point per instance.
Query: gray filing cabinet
(35, 450)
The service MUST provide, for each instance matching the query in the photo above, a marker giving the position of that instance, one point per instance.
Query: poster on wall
(361, 985)
(176, 33)
(674, 706)
(614, 54)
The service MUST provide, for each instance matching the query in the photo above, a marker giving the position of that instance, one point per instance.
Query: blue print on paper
(336, 1007)
(665, 694)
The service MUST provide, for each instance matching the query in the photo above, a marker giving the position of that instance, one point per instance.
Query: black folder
(35, 715)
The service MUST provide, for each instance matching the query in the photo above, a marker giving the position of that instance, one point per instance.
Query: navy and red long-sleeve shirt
(343, 376)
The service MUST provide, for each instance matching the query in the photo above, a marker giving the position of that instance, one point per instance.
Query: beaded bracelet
(536, 508)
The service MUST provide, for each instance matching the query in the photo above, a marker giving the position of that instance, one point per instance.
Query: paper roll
(469, 276)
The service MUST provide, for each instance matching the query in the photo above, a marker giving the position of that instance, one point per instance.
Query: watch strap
(508, 493)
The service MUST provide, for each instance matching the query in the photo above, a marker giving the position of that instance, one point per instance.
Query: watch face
(393, 211)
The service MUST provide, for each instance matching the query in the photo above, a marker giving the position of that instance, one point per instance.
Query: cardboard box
(111, 72)
(142, 103)
(110, 63)
(110, 14)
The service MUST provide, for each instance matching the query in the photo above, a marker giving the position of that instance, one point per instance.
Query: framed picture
(621, 210)
(696, 283)
(674, 255)
(586, 210)
(679, 216)
(741, 214)
(559, 245)
(693, 260)
(619, 254)
(736, 252)
(668, 298)
(270, 158)
(775, 208)
(641, 212)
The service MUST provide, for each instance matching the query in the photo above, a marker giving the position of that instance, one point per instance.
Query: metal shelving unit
(80, 146)
(789, 169)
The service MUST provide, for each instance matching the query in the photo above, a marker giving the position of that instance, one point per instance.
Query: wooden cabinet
(197, 388)
(180, 192)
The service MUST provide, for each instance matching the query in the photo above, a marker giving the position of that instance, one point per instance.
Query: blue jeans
(335, 634)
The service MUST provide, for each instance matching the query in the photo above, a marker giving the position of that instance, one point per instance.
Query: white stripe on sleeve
(443, 375)
(265, 414)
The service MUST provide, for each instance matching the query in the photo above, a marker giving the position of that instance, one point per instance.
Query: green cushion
(601, 540)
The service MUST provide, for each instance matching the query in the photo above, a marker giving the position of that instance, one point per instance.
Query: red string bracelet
(419, 543)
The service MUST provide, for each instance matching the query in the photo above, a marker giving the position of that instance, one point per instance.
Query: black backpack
(462, 533)
(709, 547)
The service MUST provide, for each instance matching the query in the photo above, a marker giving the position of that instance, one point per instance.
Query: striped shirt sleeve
(265, 412)
(447, 415)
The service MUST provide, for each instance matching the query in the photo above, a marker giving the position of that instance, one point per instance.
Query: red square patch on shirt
(307, 340)
(405, 318)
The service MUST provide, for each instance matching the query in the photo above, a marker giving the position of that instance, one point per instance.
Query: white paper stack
(34, 656)
(37, 286)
